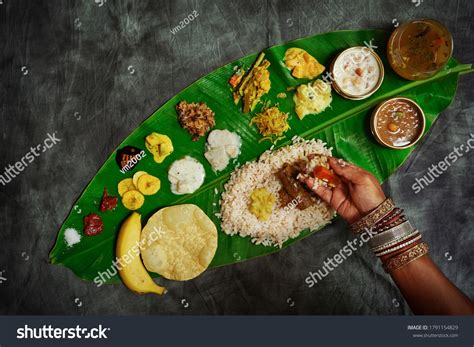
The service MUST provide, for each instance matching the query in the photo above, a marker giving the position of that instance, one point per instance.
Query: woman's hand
(356, 195)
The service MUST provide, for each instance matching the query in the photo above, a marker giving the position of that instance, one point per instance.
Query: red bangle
(390, 218)
(393, 224)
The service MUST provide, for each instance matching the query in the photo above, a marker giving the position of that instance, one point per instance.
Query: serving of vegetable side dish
(225, 170)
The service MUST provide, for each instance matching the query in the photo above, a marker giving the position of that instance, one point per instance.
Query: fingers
(323, 192)
(306, 180)
(349, 172)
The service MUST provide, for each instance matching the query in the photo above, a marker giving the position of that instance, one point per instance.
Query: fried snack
(133, 200)
(148, 184)
(136, 176)
(180, 242)
(125, 185)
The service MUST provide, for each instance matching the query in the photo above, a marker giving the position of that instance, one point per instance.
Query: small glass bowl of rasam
(398, 123)
(418, 49)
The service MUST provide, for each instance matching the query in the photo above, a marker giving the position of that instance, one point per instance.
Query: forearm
(405, 257)
(359, 199)
(428, 291)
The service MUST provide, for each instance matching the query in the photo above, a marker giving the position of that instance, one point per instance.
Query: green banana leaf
(344, 126)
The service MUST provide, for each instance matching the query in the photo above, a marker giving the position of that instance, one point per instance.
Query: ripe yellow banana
(133, 272)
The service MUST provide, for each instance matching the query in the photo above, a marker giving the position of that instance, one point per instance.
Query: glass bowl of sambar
(418, 49)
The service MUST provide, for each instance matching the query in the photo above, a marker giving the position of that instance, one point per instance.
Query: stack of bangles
(393, 236)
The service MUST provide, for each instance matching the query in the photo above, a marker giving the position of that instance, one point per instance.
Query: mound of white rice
(284, 223)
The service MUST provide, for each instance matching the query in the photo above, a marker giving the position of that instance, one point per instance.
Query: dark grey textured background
(78, 57)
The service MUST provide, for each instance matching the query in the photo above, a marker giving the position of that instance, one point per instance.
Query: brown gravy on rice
(284, 223)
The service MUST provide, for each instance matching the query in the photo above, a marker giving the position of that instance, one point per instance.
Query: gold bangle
(406, 257)
(373, 217)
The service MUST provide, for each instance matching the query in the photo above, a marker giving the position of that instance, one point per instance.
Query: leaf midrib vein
(460, 69)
